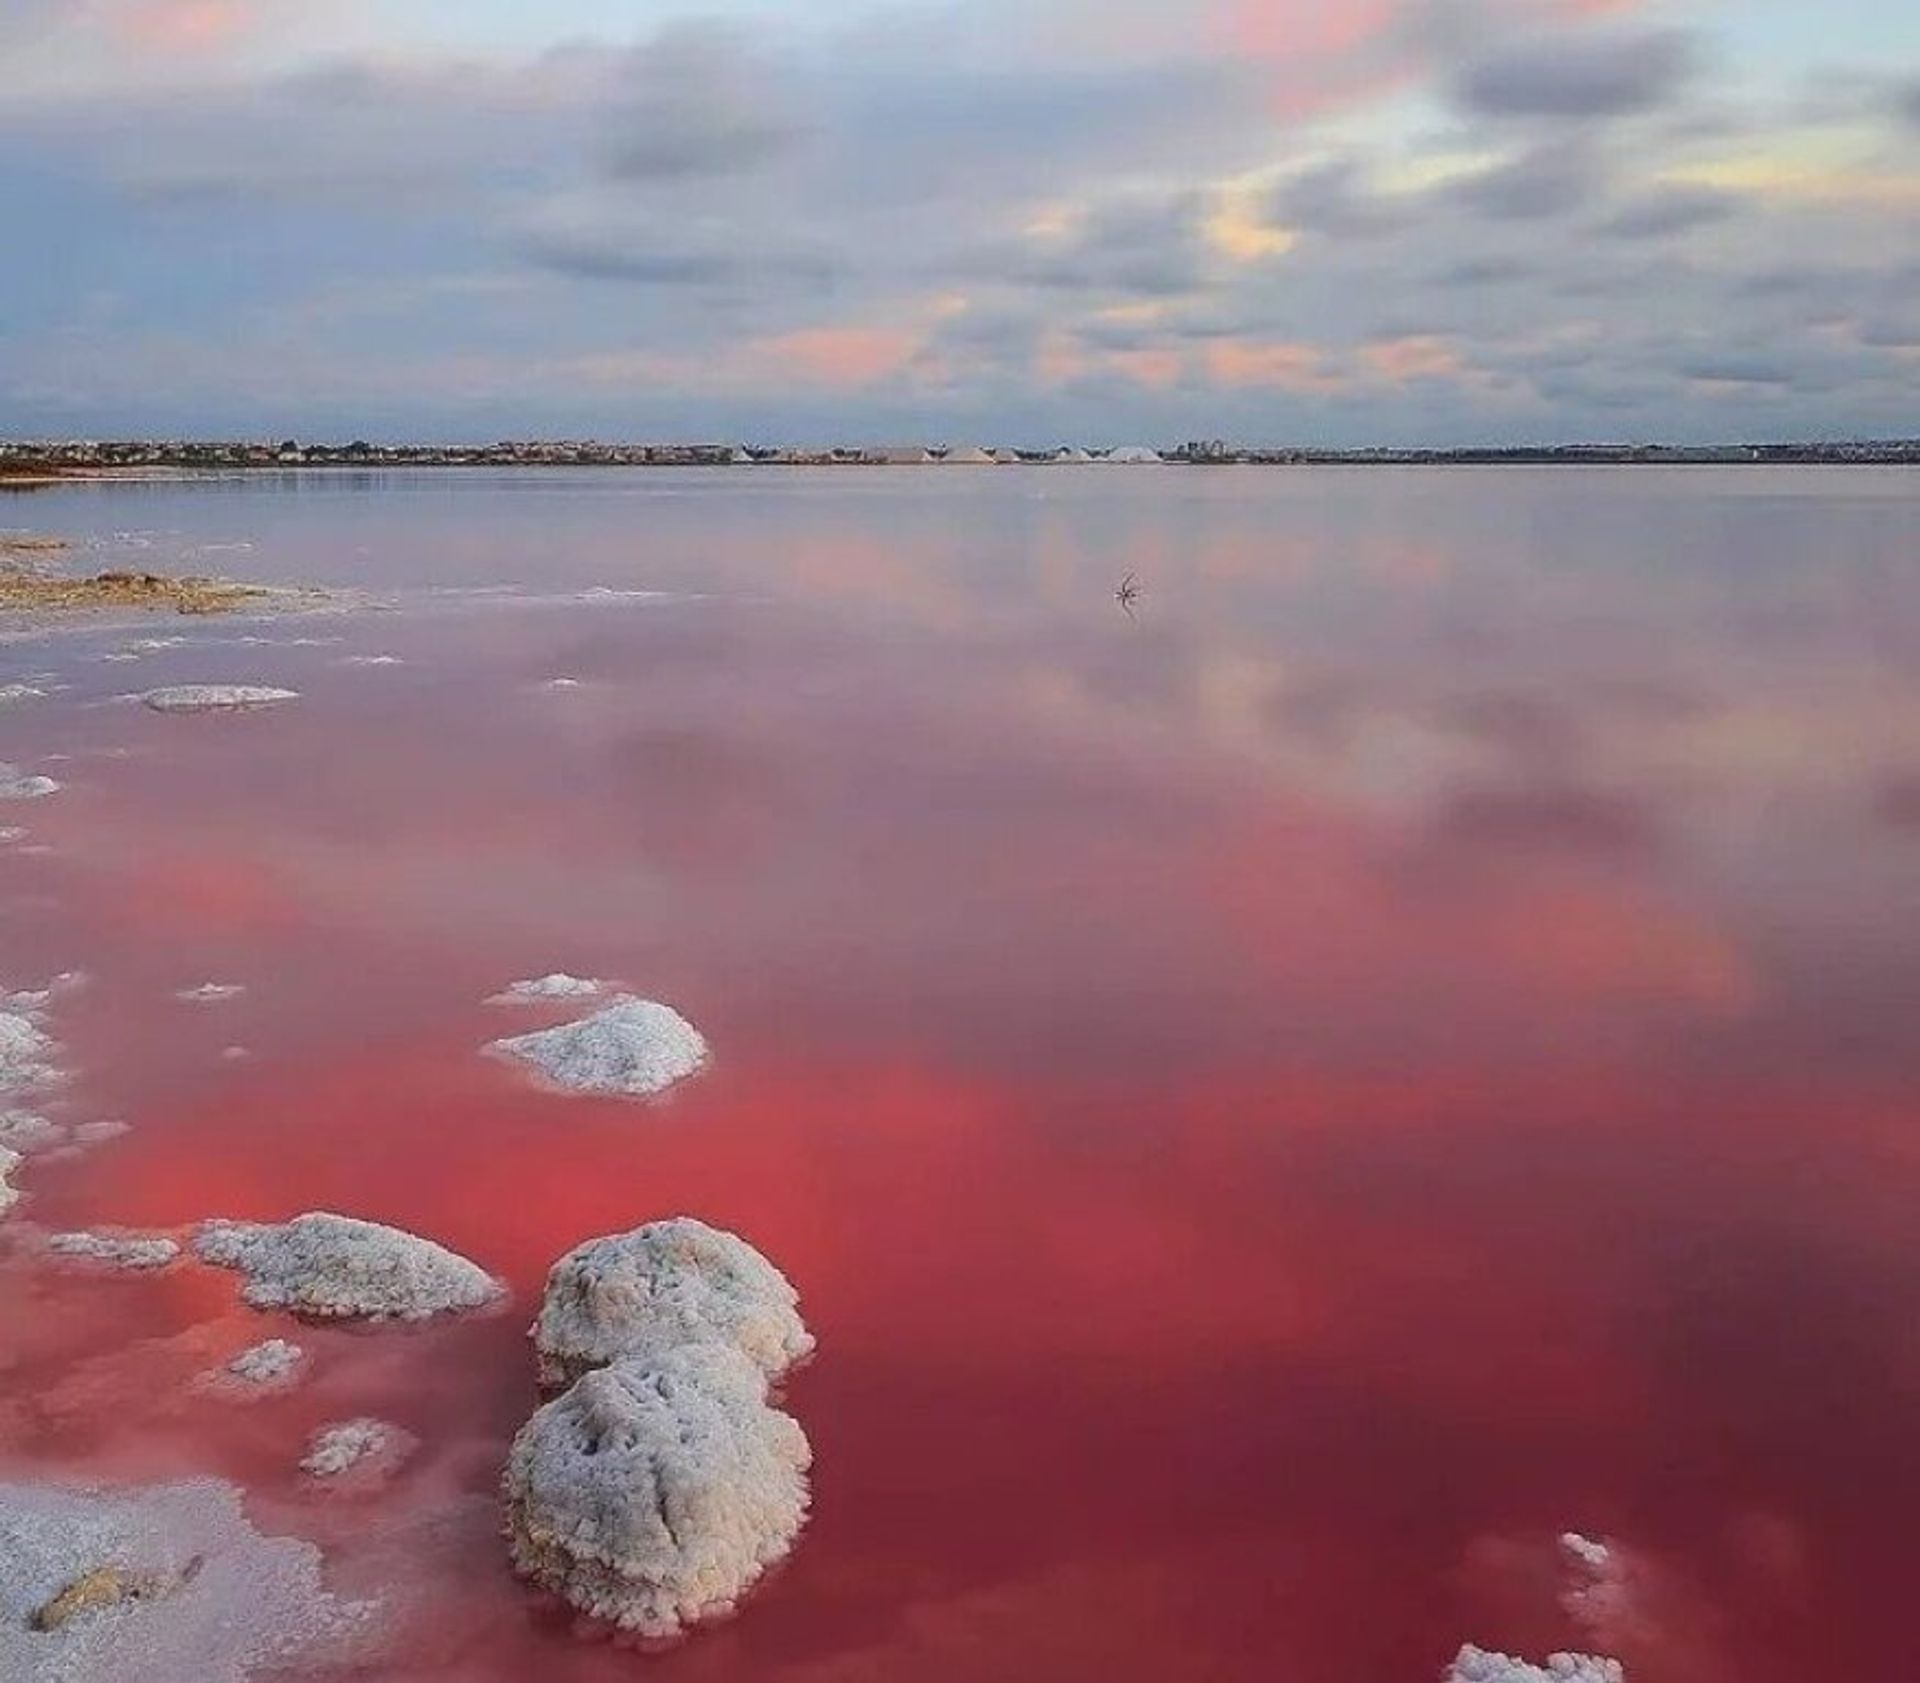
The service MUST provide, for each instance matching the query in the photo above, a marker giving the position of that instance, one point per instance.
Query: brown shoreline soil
(26, 588)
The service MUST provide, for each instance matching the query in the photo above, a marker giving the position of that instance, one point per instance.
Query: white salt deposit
(362, 1445)
(26, 1130)
(632, 1048)
(210, 993)
(1478, 1665)
(266, 1364)
(135, 1253)
(205, 698)
(168, 1584)
(542, 989)
(27, 1054)
(18, 692)
(11, 833)
(330, 1266)
(563, 683)
(17, 785)
(9, 1195)
(668, 1283)
(654, 1493)
(371, 660)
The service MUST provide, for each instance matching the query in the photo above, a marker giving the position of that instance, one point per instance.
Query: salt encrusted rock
(668, 1283)
(355, 1446)
(26, 1130)
(133, 1253)
(27, 1054)
(9, 1195)
(633, 1048)
(17, 785)
(163, 1585)
(207, 698)
(1478, 1665)
(654, 1493)
(543, 989)
(266, 1364)
(331, 1266)
(210, 993)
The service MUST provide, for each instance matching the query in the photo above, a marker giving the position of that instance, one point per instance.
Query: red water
(1276, 1108)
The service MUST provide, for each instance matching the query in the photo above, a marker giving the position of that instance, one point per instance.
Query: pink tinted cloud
(188, 26)
(1285, 364)
(839, 357)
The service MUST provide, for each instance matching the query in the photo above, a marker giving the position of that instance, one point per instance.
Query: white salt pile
(540, 990)
(266, 1364)
(633, 1048)
(331, 1266)
(654, 1493)
(17, 785)
(206, 698)
(134, 1253)
(210, 993)
(164, 1585)
(352, 1446)
(668, 1283)
(1478, 1665)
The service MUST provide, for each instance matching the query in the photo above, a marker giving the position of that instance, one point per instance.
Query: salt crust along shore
(670, 1282)
(631, 1048)
(655, 1492)
(132, 1253)
(17, 785)
(329, 1267)
(168, 1584)
(215, 698)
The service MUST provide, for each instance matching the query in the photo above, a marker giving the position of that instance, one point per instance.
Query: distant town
(43, 459)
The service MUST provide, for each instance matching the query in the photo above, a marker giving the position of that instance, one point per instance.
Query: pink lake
(1277, 1104)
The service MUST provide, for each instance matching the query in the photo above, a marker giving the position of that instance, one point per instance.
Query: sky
(1003, 221)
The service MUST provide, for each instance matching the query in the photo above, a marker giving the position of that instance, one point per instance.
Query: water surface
(1278, 1104)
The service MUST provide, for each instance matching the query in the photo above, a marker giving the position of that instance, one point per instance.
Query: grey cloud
(1334, 198)
(1484, 271)
(1548, 180)
(1606, 75)
(1675, 210)
(1149, 245)
(1739, 371)
(1908, 101)
(694, 101)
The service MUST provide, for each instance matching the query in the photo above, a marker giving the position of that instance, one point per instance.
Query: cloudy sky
(1012, 220)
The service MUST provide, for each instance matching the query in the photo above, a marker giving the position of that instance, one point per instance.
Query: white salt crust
(1479, 1665)
(269, 1363)
(17, 785)
(355, 1446)
(210, 698)
(541, 990)
(9, 1194)
(631, 1048)
(328, 1266)
(132, 1253)
(210, 993)
(216, 1601)
(667, 1283)
(655, 1492)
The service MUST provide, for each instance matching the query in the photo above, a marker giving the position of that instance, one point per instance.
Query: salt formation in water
(355, 1446)
(210, 993)
(656, 1491)
(668, 1283)
(163, 1585)
(266, 1364)
(27, 1051)
(134, 1253)
(205, 698)
(331, 1266)
(17, 785)
(632, 1048)
(542, 989)
(9, 1195)
(1478, 1665)
(19, 692)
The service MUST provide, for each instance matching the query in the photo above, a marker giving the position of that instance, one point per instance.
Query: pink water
(1276, 1107)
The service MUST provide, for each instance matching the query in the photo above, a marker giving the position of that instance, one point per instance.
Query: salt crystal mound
(210, 698)
(351, 1445)
(17, 785)
(655, 1493)
(332, 1267)
(131, 1253)
(266, 1364)
(633, 1048)
(229, 1604)
(541, 989)
(1478, 1665)
(668, 1283)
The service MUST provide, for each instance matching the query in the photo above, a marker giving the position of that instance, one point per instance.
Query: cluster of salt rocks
(659, 1486)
